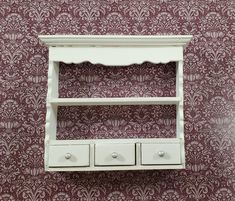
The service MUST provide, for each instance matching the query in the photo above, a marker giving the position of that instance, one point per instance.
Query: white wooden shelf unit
(113, 154)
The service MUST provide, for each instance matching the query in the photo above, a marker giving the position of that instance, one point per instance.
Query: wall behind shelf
(88, 80)
(209, 98)
(106, 122)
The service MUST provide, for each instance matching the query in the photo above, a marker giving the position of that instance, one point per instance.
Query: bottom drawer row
(114, 154)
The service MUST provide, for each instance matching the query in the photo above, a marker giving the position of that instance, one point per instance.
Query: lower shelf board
(116, 168)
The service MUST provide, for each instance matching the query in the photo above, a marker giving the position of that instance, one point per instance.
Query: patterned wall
(209, 99)
(88, 80)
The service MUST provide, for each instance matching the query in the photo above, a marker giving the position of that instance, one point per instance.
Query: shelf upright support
(51, 116)
(180, 107)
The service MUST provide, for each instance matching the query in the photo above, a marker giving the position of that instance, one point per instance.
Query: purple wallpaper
(208, 86)
(88, 80)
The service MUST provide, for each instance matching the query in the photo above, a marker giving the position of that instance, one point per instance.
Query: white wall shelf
(113, 154)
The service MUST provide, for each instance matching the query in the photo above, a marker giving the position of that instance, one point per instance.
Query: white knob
(161, 153)
(68, 156)
(114, 155)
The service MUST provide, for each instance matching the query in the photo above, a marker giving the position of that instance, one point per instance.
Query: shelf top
(116, 40)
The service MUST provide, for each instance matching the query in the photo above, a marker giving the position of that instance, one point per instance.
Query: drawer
(69, 155)
(152, 154)
(114, 154)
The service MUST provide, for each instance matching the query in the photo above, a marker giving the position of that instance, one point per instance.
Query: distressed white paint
(112, 50)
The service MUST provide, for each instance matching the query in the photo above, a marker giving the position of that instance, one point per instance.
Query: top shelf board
(115, 50)
(115, 40)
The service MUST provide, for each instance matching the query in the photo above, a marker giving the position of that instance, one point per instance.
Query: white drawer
(114, 154)
(152, 154)
(69, 155)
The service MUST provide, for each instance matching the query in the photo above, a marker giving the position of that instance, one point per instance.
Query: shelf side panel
(51, 116)
(180, 107)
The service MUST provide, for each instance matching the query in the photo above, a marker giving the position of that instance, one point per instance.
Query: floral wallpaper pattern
(209, 91)
(88, 80)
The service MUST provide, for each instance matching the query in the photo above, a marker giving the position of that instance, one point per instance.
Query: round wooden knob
(68, 156)
(161, 153)
(114, 155)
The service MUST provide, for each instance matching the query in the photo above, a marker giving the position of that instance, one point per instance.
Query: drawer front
(114, 154)
(69, 155)
(152, 154)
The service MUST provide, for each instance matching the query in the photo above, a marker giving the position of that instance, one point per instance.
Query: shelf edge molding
(116, 101)
(115, 40)
(115, 50)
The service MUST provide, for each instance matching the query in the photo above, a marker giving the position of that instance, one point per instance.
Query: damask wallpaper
(209, 91)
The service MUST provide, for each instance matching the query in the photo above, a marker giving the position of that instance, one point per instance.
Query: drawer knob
(68, 156)
(161, 153)
(114, 155)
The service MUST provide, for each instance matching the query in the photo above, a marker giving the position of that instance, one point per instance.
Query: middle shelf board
(116, 101)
